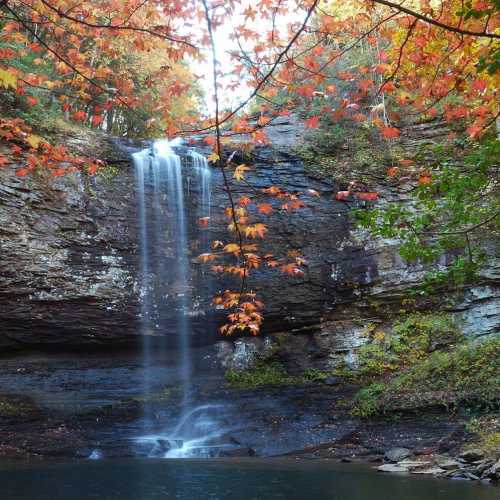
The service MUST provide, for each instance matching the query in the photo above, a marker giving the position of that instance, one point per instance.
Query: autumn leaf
(256, 230)
(265, 208)
(291, 270)
(32, 101)
(367, 196)
(97, 120)
(392, 171)
(7, 79)
(272, 190)
(33, 140)
(3, 161)
(92, 169)
(425, 178)
(239, 172)
(390, 132)
(206, 257)
(312, 122)
(204, 221)
(79, 116)
(58, 172)
(21, 172)
(343, 195)
(213, 157)
(210, 140)
(479, 85)
(232, 248)
(244, 201)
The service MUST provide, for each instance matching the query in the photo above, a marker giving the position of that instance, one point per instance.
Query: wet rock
(428, 470)
(397, 454)
(447, 463)
(471, 476)
(483, 465)
(333, 381)
(471, 455)
(493, 472)
(392, 468)
(414, 464)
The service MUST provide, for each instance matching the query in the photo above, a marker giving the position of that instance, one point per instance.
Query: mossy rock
(18, 408)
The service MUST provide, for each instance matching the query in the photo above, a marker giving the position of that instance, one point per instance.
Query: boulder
(414, 464)
(392, 468)
(494, 471)
(470, 456)
(428, 470)
(397, 454)
(447, 463)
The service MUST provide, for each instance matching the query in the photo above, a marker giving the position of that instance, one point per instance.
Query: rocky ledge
(469, 465)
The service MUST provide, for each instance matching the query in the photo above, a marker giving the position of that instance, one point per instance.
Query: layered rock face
(70, 273)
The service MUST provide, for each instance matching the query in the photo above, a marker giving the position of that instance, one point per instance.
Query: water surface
(236, 479)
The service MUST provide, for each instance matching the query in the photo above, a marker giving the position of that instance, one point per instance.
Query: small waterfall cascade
(171, 189)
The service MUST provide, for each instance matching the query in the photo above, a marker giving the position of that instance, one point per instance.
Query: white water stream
(164, 181)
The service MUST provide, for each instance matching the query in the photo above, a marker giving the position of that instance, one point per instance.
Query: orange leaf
(392, 171)
(425, 178)
(265, 208)
(312, 122)
(92, 169)
(97, 120)
(203, 221)
(390, 132)
(367, 196)
(342, 195)
(79, 116)
(479, 85)
(244, 201)
(210, 140)
(257, 230)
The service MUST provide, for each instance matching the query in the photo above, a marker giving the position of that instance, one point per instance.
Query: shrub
(467, 374)
(263, 373)
(411, 339)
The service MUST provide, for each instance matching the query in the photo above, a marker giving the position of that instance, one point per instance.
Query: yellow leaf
(8, 79)
(239, 172)
(34, 140)
(232, 248)
(256, 230)
(213, 157)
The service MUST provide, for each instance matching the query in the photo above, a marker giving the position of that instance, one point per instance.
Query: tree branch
(434, 22)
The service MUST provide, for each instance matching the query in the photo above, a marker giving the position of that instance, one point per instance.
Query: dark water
(218, 479)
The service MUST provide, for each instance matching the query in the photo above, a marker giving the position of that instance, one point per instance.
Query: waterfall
(165, 182)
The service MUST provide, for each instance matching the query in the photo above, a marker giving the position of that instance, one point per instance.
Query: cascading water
(164, 182)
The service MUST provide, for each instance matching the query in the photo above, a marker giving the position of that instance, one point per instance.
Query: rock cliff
(69, 273)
